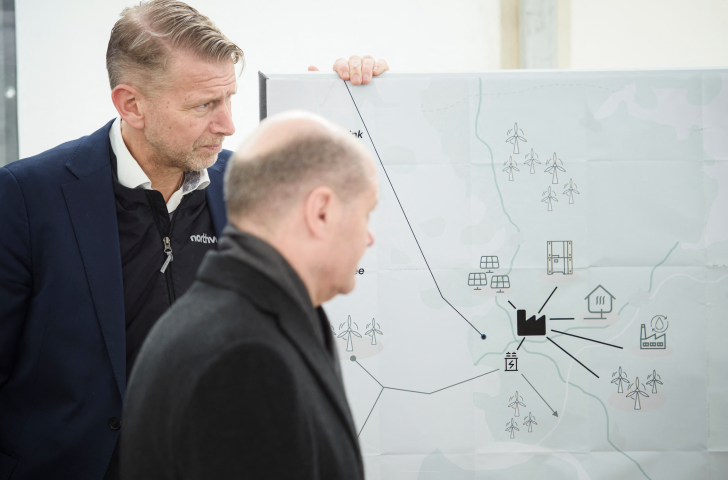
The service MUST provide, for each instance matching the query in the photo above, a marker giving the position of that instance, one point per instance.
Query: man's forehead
(197, 76)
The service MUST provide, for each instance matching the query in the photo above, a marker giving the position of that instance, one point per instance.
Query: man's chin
(203, 162)
(348, 288)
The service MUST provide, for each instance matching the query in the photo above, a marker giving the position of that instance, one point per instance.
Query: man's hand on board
(360, 70)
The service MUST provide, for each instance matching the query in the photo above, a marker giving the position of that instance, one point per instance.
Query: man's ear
(321, 211)
(130, 103)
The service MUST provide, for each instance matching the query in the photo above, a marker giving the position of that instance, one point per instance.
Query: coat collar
(233, 273)
(214, 192)
(91, 154)
(264, 258)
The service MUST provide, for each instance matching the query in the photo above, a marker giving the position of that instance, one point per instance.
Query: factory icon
(531, 326)
(658, 339)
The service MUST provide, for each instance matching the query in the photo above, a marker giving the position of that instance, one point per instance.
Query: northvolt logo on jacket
(203, 238)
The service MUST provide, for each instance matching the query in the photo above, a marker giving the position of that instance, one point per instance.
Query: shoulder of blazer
(82, 156)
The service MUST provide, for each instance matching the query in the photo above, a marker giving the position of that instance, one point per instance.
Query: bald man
(240, 378)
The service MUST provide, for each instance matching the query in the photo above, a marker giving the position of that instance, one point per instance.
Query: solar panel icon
(477, 280)
(489, 262)
(500, 282)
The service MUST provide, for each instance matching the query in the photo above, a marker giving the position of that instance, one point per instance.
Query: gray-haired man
(239, 379)
(103, 233)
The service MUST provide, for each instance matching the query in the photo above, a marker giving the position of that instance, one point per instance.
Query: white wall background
(649, 33)
(63, 91)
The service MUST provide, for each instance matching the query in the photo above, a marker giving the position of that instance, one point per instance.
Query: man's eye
(204, 105)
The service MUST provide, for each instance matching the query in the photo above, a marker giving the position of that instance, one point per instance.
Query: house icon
(599, 301)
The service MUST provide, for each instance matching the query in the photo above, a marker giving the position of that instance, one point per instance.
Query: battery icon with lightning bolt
(511, 362)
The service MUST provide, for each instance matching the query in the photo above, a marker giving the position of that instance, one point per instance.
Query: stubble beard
(195, 159)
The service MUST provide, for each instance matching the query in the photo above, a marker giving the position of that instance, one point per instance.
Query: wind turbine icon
(532, 160)
(556, 165)
(515, 137)
(548, 198)
(570, 190)
(510, 166)
(348, 333)
(372, 332)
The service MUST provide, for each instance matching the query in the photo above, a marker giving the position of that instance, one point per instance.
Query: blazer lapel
(214, 194)
(92, 208)
(225, 272)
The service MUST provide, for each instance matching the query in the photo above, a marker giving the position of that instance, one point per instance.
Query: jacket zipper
(168, 251)
(166, 269)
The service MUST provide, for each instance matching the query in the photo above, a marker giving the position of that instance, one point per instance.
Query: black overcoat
(235, 382)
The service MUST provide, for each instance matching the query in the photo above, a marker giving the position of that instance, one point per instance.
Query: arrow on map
(554, 412)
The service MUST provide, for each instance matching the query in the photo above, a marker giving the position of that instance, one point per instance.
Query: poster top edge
(334, 76)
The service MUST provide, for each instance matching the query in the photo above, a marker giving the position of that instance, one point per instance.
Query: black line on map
(560, 318)
(547, 338)
(584, 338)
(547, 300)
(404, 390)
(368, 372)
(424, 393)
(482, 335)
(519, 345)
(553, 412)
(370, 411)
(514, 307)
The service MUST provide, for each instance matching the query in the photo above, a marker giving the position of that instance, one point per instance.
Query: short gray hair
(144, 37)
(271, 183)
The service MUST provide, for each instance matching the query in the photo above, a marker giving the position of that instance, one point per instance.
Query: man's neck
(164, 179)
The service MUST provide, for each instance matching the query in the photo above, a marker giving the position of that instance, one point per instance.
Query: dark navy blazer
(62, 330)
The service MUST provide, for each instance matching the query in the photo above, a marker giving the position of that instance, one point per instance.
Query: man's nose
(223, 120)
(370, 238)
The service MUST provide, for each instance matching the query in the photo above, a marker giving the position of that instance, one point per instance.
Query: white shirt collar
(131, 175)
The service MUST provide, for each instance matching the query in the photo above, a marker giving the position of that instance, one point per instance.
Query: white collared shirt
(131, 175)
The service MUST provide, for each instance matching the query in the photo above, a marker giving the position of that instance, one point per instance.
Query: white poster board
(547, 294)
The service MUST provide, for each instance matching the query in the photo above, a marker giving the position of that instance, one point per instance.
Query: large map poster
(547, 294)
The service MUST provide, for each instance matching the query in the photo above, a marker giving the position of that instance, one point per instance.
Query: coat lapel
(299, 333)
(92, 208)
(294, 323)
(214, 192)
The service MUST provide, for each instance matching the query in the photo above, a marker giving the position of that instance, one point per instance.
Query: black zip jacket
(160, 255)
